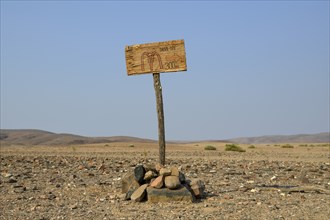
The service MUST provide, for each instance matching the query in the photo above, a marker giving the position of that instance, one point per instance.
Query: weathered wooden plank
(161, 120)
(167, 56)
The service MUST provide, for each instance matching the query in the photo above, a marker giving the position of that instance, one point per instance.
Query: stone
(304, 180)
(167, 195)
(197, 188)
(158, 182)
(139, 172)
(150, 167)
(74, 206)
(165, 172)
(101, 167)
(182, 178)
(158, 166)
(149, 175)
(51, 196)
(17, 186)
(127, 181)
(172, 182)
(122, 196)
(134, 186)
(303, 177)
(174, 171)
(20, 189)
(131, 189)
(139, 194)
(7, 175)
(12, 180)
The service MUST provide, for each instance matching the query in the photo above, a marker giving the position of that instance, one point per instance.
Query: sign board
(167, 56)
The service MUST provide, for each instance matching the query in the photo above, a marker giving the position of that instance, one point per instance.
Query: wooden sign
(167, 56)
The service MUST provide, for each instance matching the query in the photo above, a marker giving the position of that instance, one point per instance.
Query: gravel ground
(76, 185)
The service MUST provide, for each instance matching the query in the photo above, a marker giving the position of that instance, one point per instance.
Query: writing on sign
(167, 56)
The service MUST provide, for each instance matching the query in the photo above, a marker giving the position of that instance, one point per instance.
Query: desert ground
(84, 181)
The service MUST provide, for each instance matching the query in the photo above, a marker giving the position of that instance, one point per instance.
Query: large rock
(158, 166)
(182, 177)
(150, 167)
(139, 173)
(132, 188)
(127, 181)
(167, 195)
(165, 172)
(197, 188)
(172, 182)
(139, 194)
(174, 171)
(149, 175)
(158, 182)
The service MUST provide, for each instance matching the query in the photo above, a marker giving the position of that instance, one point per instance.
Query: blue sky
(254, 68)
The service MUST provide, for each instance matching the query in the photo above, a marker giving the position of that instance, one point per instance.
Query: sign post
(161, 120)
(168, 56)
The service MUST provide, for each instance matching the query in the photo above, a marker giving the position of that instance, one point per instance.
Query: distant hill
(30, 137)
(272, 139)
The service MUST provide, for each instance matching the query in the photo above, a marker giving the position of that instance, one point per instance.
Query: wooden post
(160, 114)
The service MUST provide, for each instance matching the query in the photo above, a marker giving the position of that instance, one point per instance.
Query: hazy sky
(254, 68)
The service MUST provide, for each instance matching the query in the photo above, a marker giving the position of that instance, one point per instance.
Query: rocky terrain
(84, 182)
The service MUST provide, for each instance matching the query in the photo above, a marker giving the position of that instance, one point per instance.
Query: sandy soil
(84, 182)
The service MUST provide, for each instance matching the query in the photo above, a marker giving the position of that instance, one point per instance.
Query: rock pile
(160, 184)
